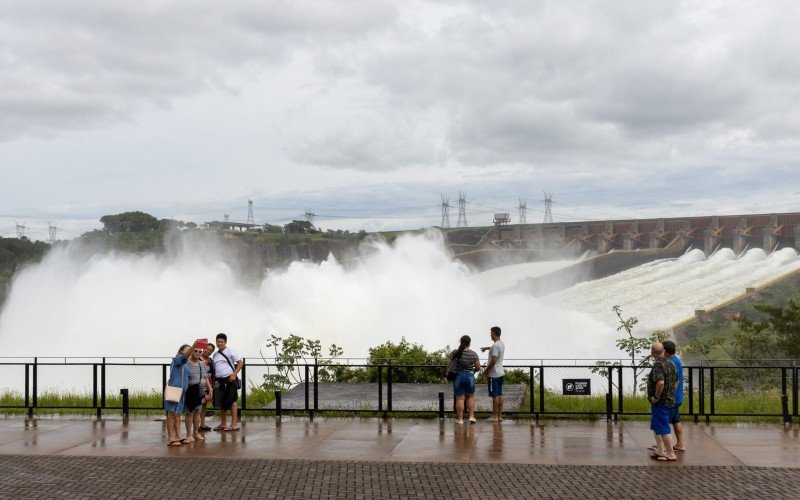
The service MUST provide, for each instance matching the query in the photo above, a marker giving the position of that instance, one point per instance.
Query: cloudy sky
(366, 111)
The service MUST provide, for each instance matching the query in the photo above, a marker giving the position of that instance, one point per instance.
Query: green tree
(129, 222)
(289, 354)
(636, 348)
(411, 362)
(299, 227)
(775, 337)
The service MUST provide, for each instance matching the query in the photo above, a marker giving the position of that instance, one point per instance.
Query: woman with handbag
(464, 362)
(175, 394)
(194, 401)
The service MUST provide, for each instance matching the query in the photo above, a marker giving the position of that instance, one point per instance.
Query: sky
(367, 111)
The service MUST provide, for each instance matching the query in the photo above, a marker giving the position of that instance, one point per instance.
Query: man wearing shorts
(227, 364)
(661, 384)
(496, 373)
(675, 414)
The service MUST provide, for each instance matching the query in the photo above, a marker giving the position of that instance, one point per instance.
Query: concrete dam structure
(601, 249)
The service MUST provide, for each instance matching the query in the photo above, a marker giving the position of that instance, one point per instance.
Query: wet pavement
(375, 458)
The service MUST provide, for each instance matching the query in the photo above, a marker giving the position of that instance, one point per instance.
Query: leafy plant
(290, 353)
(636, 348)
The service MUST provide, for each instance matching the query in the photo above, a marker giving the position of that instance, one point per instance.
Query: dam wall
(502, 244)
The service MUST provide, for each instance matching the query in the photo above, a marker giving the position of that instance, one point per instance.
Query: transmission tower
(310, 215)
(226, 217)
(445, 211)
(548, 208)
(20, 229)
(250, 219)
(462, 210)
(52, 231)
(523, 210)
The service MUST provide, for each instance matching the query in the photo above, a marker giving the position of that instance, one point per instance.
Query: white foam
(664, 292)
(125, 305)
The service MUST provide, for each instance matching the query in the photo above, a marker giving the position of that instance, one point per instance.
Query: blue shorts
(464, 384)
(496, 386)
(675, 414)
(659, 419)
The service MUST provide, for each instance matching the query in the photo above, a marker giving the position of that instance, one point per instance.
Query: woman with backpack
(464, 362)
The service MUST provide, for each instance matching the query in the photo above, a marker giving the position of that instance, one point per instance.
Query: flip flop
(199, 437)
(189, 440)
(231, 429)
(473, 421)
(219, 428)
(174, 443)
(679, 449)
(662, 458)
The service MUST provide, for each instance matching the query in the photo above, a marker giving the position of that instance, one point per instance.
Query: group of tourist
(664, 389)
(464, 363)
(202, 373)
(206, 373)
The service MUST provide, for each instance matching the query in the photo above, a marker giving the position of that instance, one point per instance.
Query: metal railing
(531, 390)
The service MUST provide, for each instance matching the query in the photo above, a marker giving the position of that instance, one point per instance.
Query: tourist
(196, 391)
(496, 373)
(227, 364)
(178, 377)
(675, 413)
(206, 357)
(661, 384)
(465, 363)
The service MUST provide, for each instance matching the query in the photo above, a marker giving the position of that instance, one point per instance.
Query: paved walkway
(371, 458)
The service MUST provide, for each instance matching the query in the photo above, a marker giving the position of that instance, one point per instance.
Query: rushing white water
(664, 292)
(128, 305)
(503, 278)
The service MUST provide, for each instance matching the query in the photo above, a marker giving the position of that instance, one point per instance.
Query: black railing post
(701, 389)
(389, 388)
(532, 389)
(28, 389)
(441, 406)
(94, 390)
(308, 389)
(610, 393)
(243, 374)
(710, 393)
(278, 404)
(103, 386)
(380, 388)
(164, 380)
(35, 384)
(794, 391)
(125, 402)
(691, 392)
(541, 391)
(316, 386)
(620, 408)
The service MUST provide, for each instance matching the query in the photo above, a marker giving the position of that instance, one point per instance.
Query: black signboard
(577, 387)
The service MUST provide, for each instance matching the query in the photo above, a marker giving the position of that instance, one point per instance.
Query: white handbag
(172, 394)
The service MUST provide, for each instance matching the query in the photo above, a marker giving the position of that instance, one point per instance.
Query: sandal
(174, 443)
(219, 428)
(189, 440)
(204, 428)
(473, 421)
(231, 429)
(199, 437)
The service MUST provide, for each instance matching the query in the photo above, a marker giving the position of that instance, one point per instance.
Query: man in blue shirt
(675, 415)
